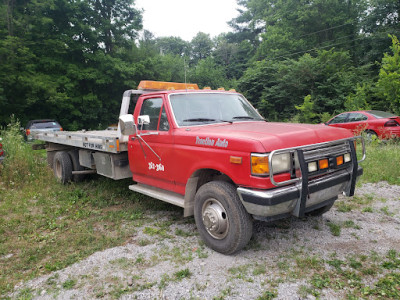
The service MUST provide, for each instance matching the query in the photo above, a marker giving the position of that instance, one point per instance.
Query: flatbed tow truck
(211, 153)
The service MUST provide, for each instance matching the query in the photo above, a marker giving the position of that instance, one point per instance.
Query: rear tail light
(61, 129)
(391, 123)
(1, 149)
(28, 132)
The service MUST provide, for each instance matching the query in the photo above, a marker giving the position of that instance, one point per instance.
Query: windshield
(381, 114)
(205, 108)
(44, 125)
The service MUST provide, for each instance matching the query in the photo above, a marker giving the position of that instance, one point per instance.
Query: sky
(185, 18)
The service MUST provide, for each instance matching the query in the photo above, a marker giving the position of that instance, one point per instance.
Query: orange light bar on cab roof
(164, 85)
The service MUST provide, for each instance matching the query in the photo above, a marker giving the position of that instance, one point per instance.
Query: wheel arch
(198, 179)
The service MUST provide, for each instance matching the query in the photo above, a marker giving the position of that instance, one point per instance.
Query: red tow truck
(211, 153)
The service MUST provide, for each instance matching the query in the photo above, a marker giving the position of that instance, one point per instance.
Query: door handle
(150, 133)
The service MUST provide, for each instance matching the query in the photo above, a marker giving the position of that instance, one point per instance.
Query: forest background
(295, 60)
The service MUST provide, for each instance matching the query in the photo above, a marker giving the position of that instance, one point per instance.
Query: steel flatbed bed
(99, 140)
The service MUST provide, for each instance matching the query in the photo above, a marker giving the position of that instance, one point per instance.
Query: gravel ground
(174, 264)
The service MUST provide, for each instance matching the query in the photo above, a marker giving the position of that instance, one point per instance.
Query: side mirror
(127, 125)
(143, 120)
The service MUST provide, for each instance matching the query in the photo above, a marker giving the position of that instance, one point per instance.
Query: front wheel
(222, 221)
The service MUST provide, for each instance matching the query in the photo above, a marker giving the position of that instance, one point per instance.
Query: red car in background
(373, 122)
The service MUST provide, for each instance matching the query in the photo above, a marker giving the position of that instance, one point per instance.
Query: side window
(357, 117)
(152, 108)
(339, 119)
(164, 125)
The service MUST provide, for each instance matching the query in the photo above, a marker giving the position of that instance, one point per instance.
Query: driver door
(150, 158)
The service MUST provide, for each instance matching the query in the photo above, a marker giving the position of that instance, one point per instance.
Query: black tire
(222, 221)
(62, 167)
(320, 211)
(74, 156)
(370, 135)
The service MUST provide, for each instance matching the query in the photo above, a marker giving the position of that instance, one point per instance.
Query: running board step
(167, 196)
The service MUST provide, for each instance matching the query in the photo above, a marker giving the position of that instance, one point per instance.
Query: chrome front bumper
(270, 204)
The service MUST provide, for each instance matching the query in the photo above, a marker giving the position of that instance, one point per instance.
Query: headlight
(280, 163)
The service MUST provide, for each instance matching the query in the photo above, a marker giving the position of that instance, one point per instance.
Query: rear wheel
(62, 167)
(74, 155)
(222, 221)
(370, 135)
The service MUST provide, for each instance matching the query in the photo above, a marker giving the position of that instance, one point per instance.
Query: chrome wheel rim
(215, 219)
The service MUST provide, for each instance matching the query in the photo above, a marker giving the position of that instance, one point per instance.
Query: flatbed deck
(99, 140)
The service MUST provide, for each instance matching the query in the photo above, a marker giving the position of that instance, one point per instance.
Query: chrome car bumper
(281, 201)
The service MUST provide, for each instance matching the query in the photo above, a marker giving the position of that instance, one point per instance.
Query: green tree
(292, 27)
(389, 76)
(173, 45)
(306, 111)
(380, 19)
(359, 100)
(201, 46)
(67, 59)
(276, 87)
(207, 73)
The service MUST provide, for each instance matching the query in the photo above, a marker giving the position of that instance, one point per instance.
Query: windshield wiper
(243, 117)
(206, 120)
(248, 118)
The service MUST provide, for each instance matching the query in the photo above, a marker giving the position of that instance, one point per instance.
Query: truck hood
(263, 136)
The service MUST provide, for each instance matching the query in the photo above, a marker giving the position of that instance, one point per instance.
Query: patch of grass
(385, 211)
(179, 275)
(69, 284)
(321, 281)
(392, 260)
(268, 295)
(334, 228)
(378, 155)
(153, 231)
(351, 224)
(224, 293)
(240, 272)
(344, 207)
(144, 242)
(368, 209)
(181, 232)
(123, 262)
(387, 287)
(336, 263)
(201, 252)
(259, 269)
(352, 274)
(165, 279)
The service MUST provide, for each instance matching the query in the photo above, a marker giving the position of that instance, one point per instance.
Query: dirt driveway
(346, 253)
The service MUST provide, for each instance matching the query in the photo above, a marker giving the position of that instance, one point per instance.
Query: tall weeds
(20, 165)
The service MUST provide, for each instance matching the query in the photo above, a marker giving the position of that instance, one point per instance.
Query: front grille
(326, 151)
